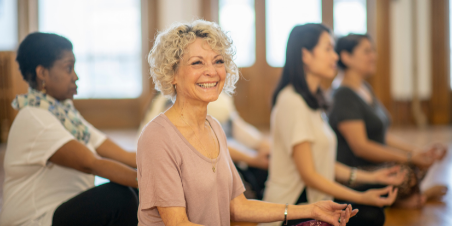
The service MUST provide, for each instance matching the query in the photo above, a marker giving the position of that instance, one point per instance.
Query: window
(106, 35)
(281, 17)
(8, 25)
(350, 16)
(237, 17)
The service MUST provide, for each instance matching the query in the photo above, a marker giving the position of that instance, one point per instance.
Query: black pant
(108, 204)
(367, 215)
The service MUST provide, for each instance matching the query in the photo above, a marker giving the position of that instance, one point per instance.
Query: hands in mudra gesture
(429, 155)
(333, 213)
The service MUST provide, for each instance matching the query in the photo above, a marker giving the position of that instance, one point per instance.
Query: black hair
(39, 49)
(303, 36)
(348, 44)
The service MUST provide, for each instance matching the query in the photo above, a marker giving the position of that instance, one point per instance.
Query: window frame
(263, 76)
(107, 113)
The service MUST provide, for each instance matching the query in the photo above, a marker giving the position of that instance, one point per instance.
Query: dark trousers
(367, 215)
(108, 204)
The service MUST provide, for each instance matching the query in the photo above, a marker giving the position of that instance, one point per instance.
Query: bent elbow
(89, 166)
(308, 181)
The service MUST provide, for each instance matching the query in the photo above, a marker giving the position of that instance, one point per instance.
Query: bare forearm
(343, 173)
(395, 142)
(238, 156)
(261, 212)
(332, 188)
(115, 172)
(376, 152)
(109, 149)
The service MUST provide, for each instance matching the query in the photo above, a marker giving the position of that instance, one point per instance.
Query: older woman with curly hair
(185, 173)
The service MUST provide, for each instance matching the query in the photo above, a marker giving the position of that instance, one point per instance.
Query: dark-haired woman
(361, 122)
(53, 154)
(303, 165)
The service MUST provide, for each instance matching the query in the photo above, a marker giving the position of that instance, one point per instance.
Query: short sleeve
(345, 107)
(293, 122)
(237, 184)
(36, 135)
(159, 172)
(96, 136)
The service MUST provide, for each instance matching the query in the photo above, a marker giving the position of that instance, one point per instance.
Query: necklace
(199, 140)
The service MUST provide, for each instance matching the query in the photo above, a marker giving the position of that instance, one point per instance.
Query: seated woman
(303, 165)
(185, 173)
(52, 153)
(248, 148)
(361, 122)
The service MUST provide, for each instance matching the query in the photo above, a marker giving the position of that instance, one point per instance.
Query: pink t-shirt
(171, 172)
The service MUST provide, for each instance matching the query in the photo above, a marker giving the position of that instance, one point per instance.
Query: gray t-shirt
(172, 173)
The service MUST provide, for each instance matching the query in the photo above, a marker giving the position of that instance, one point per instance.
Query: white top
(35, 187)
(293, 122)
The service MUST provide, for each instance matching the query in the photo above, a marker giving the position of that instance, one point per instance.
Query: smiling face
(60, 79)
(322, 60)
(201, 73)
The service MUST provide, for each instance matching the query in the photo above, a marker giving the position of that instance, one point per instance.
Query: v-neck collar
(181, 136)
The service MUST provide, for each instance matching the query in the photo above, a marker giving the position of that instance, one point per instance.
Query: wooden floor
(433, 214)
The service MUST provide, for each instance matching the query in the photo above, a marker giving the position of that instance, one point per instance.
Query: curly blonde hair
(169, 47)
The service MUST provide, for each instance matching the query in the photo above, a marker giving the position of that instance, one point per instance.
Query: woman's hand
(390, 176)
(373, 196)
(264, 148)
(439, 151)
(330, 212)
(424, 159)
(260, 161)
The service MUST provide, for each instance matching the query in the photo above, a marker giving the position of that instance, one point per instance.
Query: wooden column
(440, 101)
(381, 81)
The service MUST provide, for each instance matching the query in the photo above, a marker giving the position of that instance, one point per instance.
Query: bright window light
(8, 25)
(237, 18)
(106, 35)
(350, 16)
(281, 17)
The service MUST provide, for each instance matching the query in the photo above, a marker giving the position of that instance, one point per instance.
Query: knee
(122, 196)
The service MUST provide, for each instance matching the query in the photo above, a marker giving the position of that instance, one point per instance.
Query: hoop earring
(175, 90)
(44, 87)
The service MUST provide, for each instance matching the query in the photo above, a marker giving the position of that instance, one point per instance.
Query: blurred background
(112, 38)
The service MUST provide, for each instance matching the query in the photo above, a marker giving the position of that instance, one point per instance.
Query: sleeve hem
(100, 141)
(163, 204)
(237, 192)
(299, 141)
(55, 148)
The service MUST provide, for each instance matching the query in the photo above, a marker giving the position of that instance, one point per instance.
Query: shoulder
(37, 117)
(289, 100)
(344, 93)
(156, 128)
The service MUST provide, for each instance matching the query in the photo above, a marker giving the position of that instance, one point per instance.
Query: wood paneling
(440, 99)
(381, 80)
(11, 84)
(402, 112)
(255, 88)
(110, 113)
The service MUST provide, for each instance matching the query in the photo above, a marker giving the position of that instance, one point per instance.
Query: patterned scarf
(64, 111)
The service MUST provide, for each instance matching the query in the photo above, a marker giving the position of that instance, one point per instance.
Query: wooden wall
(257, 83)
